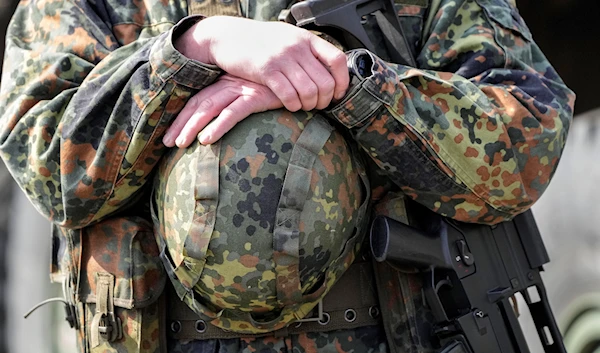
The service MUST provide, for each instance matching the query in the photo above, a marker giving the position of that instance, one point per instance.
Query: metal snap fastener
(325, 320)
(201, 326)
(350, 315)
(374, 312)
(175, 326)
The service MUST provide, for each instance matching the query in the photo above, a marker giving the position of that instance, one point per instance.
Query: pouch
(117, 280)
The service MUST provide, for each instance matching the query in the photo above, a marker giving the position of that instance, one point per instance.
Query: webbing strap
(206, 196)
(214, 7)
(296, 185)
(105, 325)
(104, 293)
(395, 39)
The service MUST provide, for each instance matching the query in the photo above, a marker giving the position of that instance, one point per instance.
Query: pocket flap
(125, 248)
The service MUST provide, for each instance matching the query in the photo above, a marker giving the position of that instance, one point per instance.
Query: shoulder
(500, 12)
(506, 14)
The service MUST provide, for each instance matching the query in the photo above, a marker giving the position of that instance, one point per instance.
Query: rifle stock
(346, 16)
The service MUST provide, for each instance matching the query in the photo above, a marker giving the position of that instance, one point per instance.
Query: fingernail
(180, 141)
(340, 95)
(167, 140)
(204, 137)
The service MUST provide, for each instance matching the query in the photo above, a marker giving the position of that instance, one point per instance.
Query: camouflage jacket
(474, 132)
(88, 88)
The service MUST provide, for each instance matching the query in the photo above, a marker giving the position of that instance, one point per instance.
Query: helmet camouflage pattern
(260, 225)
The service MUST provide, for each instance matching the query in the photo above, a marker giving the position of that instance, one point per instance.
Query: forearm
(477, 152)
(476, 131)
(199, 35)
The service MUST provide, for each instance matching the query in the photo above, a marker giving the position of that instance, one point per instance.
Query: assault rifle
(470, 272)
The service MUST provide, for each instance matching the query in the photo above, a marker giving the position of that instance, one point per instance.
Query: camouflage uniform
(474, 132)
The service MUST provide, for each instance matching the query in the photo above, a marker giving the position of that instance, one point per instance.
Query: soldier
(94, 93)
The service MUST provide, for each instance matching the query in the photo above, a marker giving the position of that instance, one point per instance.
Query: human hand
(230, 100)
(304, 71)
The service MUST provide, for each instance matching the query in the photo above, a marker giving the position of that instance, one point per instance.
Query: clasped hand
(269, 65)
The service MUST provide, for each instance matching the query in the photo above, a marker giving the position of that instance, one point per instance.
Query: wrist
(195, 43)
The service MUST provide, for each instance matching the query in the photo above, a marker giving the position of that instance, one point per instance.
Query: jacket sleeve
(475, 133)
(82, 113)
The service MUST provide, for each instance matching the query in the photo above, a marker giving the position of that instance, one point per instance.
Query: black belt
(351, 303)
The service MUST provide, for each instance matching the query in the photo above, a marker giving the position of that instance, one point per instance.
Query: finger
(284, 90)
(322, 78)
(259, 100)
(180, 120)
(335, 61)
(229, 117)
(307, 90)
(196, 102)
(213, 100)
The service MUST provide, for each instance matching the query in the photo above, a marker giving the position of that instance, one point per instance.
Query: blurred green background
(567, 31)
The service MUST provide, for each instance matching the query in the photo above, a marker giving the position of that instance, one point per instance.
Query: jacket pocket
(121, 279)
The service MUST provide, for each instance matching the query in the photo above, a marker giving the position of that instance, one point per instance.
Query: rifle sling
(395, 41)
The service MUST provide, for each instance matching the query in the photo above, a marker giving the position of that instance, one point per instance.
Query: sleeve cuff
(169, 64)
(358, 105)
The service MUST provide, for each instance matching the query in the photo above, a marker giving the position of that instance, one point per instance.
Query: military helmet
(256, 228)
